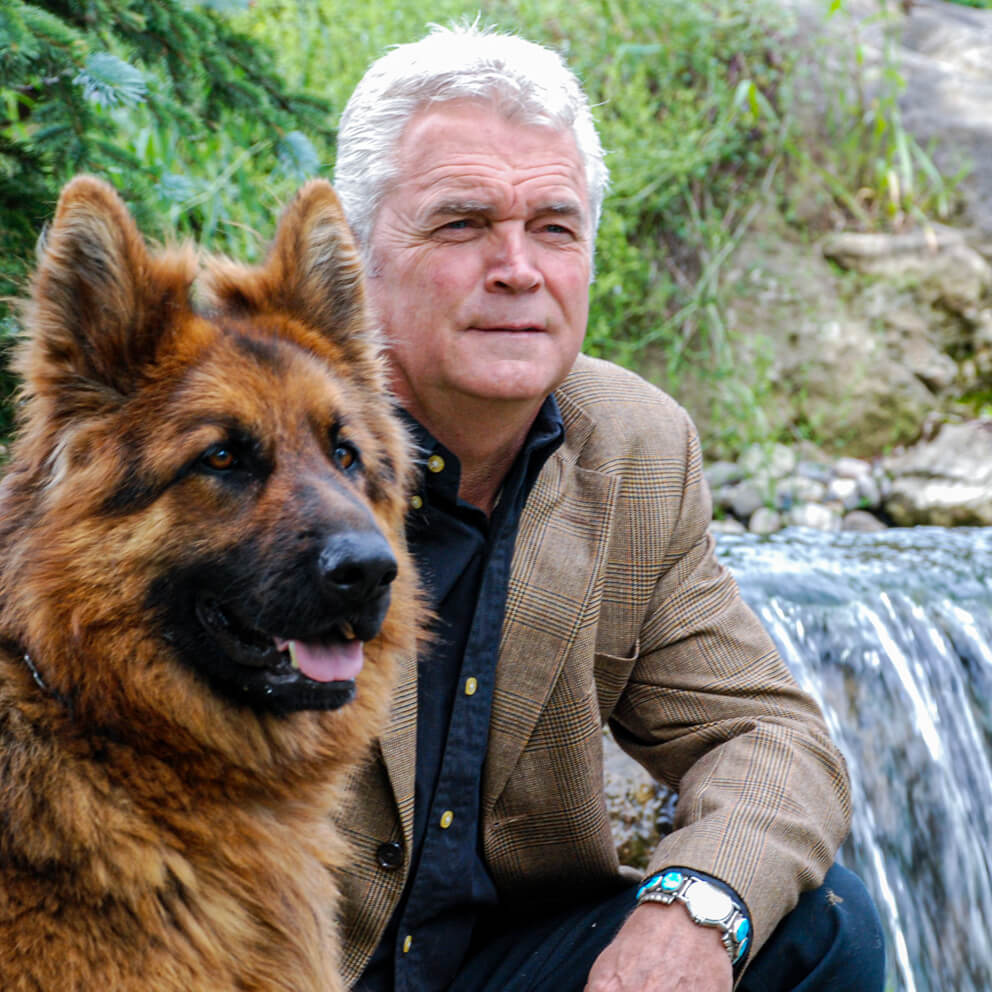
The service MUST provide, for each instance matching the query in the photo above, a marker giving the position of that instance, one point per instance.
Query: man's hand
(660, 949)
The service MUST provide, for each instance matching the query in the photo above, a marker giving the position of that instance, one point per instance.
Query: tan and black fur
(186, 488)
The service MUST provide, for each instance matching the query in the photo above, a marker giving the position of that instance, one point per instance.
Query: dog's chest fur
(137, 893)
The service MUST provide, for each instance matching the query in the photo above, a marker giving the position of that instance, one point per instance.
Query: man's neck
(486, 442)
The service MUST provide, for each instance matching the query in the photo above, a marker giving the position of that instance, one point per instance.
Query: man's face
(481, 258)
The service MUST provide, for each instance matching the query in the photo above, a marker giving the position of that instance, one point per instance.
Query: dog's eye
(219, 458)
(346, 456)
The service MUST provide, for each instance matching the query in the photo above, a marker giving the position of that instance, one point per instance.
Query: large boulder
(945, 481)
(859, 337)
(936, 258)
(946, 60)
(860, 367)
(943, 53)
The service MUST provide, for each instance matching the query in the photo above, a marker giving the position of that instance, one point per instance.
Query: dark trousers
(831, 942)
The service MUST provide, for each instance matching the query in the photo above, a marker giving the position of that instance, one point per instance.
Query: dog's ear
(313, 272)
(99, 303)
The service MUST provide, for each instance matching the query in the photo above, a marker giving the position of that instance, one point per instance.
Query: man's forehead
(463, 154)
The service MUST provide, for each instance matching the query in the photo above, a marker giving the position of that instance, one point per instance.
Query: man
(561, 526)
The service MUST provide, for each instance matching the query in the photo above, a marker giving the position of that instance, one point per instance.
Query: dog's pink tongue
(327, 663)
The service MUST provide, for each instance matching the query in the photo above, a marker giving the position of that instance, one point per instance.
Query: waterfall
(892, 633)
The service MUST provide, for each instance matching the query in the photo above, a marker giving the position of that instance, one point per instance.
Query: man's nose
(512, 267)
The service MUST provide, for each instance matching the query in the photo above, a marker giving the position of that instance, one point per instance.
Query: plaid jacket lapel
(399, 746)
(552, 597)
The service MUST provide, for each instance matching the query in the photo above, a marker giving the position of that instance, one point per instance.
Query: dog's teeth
(292, 655)
(348, 631)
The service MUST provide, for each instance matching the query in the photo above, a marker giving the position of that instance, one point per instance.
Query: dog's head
(204, 504)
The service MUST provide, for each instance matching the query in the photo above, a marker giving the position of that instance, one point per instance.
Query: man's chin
(512, 378)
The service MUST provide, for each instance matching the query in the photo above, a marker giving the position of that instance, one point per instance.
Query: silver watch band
(707, 904)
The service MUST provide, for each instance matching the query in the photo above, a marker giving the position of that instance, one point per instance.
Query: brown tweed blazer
(618, 613)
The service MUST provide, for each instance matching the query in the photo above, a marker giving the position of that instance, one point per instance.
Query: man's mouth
(510, 329)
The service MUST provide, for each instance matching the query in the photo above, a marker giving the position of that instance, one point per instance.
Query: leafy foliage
(166, 99)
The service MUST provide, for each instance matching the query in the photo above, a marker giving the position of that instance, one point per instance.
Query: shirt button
(416, 501)
(471, 684)
(435, 463)
(407, 943)
(389, 855)
(446, 817)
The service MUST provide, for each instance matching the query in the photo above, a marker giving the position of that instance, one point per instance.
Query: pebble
(851, 468)
(817, 516)
(862, 522)
(776, 461)
(764, 521)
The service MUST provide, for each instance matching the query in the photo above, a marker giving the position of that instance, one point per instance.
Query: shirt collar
(440, 470)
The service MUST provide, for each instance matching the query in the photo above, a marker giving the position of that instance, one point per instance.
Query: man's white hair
(522, 80)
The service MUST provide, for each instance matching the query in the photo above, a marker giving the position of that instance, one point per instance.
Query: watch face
(708, 903)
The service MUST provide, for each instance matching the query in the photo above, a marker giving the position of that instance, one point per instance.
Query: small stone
(814, 516)
(851, 468)
(728, 525)
(798, 489)
(723, 497)
(764, 521)
(776, 461)
(817, 471)
(869, 491)
(861, 522)
(746, 497)
(844, 491)
(721, 474)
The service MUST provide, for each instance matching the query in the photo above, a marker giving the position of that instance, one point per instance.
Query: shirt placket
(451, 840)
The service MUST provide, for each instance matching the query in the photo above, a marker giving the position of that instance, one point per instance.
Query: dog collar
(707, 904)
(43, 685)
(35, 674)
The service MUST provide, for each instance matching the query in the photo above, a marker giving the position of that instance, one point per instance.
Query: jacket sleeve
(712, 711)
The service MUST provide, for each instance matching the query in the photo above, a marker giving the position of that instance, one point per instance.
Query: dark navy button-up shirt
(464, 558)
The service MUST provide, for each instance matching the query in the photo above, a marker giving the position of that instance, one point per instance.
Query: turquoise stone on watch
(707, 904)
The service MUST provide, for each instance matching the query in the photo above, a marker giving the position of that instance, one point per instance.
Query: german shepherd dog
(203, 592)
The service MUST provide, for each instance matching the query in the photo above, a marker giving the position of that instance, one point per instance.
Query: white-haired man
(561, 528)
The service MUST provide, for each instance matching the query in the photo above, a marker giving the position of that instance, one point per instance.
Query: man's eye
(463, 224)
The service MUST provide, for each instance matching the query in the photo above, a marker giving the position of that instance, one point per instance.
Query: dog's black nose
(357, 567)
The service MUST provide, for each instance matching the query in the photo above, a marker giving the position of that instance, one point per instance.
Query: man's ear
(99, 304)
(313, 272)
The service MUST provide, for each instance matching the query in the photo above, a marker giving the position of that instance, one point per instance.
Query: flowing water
(892, 633)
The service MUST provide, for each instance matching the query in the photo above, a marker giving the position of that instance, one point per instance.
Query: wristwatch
(708, 905)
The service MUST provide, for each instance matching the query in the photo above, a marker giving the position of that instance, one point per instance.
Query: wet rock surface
(946, 480)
